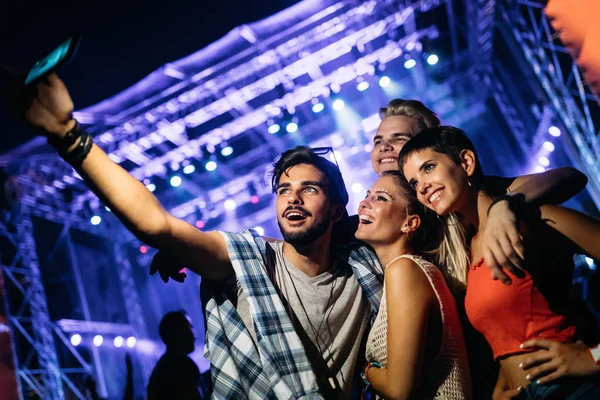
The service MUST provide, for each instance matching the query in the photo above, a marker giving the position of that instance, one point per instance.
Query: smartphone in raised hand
(53, 61)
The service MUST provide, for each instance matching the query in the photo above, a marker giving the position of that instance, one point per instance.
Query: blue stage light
(291, 127)
(175, 181)
(432, 59)
(384, 81)
(210, 166)
(362, 86)
(554, 131)
(273, 129)
(227, 151)
(338, 104)
(318, 107)
(188, 169)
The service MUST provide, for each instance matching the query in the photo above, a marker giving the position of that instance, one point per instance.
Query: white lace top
(448, 378)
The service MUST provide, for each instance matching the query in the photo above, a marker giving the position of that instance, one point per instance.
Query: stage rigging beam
(532, 32)
(480, 18)
(132, 305)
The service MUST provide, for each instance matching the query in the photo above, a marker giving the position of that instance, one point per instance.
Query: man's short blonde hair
(424, 117)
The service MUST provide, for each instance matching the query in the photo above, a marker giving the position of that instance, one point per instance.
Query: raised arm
(581, 229)
(410, 299)
(134, 205)
(554, 186)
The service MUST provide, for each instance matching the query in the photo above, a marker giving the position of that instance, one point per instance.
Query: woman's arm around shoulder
(581, 229)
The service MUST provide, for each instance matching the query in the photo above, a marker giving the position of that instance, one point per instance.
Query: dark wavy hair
(453, 252)
(304, 155)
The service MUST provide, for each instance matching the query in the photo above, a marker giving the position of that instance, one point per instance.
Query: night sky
(123, 41)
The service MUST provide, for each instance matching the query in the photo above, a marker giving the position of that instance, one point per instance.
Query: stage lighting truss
(480, 19)
(559, 77)
(93, 327)
(133, 305)
(38, 370)
(215, 92)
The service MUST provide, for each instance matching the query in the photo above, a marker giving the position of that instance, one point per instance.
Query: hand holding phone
(51, 108)
(53, 61)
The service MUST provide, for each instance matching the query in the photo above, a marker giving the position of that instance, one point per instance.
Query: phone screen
(49, 62)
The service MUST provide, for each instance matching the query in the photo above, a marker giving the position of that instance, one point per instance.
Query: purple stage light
(227, 151)
(98, 340)
(291, 127)
(549, 146)
(362, 86)
(544, 161)
(432, 59)
(210, 166)
(131, 342)
(338, 105)
(384, 81)
(76, 339)
(318, 107)
(188, 169)
(554, 131)
(175, 181)
(230, 204)
(357, 187)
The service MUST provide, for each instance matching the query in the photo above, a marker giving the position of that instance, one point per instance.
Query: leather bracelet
(76, 156)
(63, 143)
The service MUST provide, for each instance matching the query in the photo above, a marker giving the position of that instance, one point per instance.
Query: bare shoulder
(405, 276)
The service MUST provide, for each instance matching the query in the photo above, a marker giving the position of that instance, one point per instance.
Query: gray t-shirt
(330, 313)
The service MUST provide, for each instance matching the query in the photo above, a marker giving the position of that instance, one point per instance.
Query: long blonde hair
(452, 255)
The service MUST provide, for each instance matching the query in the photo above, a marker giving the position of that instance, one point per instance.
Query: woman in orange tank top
(530, 324)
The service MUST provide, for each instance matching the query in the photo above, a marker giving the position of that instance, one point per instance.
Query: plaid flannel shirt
(278, 368)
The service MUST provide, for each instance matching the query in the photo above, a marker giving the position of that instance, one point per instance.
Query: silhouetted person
(175, 376)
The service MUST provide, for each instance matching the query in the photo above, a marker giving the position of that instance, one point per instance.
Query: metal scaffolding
(560, 79)
(133, 305)
(38, 370)
(251, 87)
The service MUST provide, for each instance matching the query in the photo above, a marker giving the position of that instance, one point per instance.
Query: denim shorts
(586, 388)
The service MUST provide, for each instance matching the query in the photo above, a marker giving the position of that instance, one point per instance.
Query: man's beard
(308, 236)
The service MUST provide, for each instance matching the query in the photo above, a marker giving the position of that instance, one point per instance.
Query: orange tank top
(508, 315)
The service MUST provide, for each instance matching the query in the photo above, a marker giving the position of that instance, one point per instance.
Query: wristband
(365, 372)
(63, 143)
(518, 205)
(76, 156)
